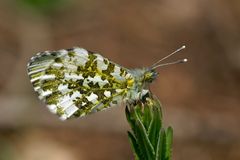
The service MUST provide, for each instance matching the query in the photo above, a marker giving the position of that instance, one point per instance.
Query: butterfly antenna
(176, 51)
(170, 63)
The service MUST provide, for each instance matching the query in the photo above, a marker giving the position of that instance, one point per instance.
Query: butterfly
(76, 82)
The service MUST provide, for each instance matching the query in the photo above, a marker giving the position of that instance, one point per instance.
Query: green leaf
(169, 141)
(135, 147)
(147, 116)
(160, 145)
(128, 115)
(143, 140)
(155, 127)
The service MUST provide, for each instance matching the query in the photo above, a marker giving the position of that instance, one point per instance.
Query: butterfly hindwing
(76, 82)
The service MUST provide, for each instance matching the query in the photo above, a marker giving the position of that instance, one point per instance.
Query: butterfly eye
(148, 76)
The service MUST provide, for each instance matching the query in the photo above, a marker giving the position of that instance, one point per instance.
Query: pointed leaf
(142, 139)
(169, 140)
(160, 145)
(155, 127)
(130, 118)
(135, 147)
(147, 116)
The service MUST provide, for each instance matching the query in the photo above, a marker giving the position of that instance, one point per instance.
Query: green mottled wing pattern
(76, 82)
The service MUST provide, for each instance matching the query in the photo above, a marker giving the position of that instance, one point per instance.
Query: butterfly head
(150, 75)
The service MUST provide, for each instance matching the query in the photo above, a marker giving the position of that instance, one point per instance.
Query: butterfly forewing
(76, 82)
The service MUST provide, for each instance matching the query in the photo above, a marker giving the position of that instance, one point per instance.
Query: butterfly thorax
(142, 78)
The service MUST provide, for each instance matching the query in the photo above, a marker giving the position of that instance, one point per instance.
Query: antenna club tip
(183, 47)
(185, 60)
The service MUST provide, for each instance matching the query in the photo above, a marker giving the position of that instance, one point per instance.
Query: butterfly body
(76, 82)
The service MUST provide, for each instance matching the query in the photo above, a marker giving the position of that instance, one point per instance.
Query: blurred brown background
(201, 99)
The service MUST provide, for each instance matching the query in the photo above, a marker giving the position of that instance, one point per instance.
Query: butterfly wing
(76, 82)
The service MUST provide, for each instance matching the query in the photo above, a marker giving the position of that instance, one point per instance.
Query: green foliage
(148, 139)
(6, 150)
(42, 5)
